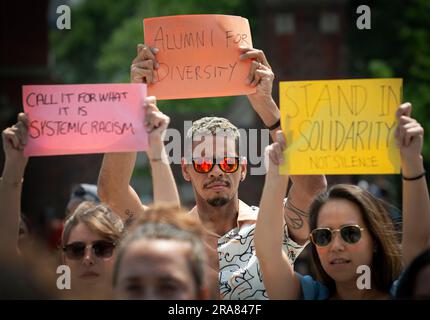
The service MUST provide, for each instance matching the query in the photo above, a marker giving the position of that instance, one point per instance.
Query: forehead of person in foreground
(162, 258)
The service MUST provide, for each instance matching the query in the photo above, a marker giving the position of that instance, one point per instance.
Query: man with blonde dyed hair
(215, 169)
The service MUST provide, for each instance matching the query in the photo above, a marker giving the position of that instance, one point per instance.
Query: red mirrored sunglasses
(226, 164)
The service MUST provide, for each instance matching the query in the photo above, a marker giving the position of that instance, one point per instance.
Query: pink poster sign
(84, 118)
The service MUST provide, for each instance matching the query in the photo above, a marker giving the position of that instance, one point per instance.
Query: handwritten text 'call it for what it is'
(60, 127)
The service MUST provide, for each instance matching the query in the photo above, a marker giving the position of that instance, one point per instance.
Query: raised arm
(416, 202)
(14, 140)
(117, 168)
(163, 182)
(304, 190)
(115, 174)
(113, 185)
(305, 187)
(278, 274)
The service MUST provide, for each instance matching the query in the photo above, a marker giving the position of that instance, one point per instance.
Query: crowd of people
(115, 246)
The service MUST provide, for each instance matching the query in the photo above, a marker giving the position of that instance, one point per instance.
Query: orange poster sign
(199, 55)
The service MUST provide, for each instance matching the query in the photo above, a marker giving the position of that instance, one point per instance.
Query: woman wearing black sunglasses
(88, 244)
(91, 233)
(350, 228)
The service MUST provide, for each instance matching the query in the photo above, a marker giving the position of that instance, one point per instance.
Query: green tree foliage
(398, 45)
(102, 42)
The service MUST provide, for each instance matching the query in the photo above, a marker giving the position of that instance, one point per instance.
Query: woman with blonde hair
(88, 244)
(91, 233)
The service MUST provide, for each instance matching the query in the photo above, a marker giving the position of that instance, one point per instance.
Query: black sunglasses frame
(93, 245)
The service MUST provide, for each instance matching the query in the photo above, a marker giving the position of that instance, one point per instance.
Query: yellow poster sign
(340, 126)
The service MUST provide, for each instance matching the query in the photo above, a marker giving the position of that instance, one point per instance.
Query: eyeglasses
(323, 236)
(226, 164)
(101, 248)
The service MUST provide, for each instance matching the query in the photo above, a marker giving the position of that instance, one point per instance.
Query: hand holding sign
(143, 66)
(275, 154)
(14, 141)
(409, 133)
(260, 74)
(199, 55)
(78, 119)
(156, 124)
